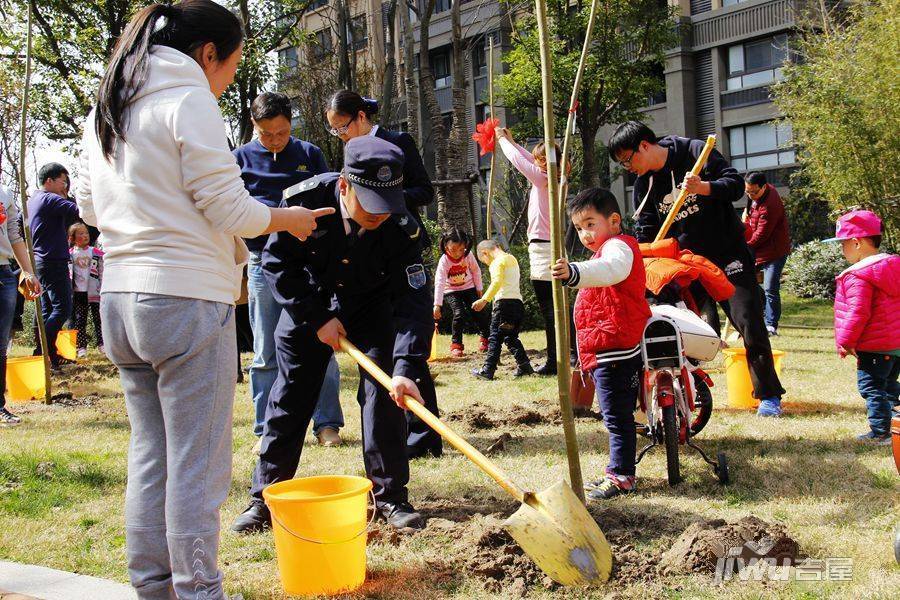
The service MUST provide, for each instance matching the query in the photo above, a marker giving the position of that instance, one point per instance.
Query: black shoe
(400, 515)
(523, 369)
(547, 368)
(253, 520)
(483, 373)
(875, 439)
(8, 419)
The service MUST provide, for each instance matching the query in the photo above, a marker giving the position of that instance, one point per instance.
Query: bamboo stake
(573, 105)
(556, 246)
(23, 197)
(488, 230)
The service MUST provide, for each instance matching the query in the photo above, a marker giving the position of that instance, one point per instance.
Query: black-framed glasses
(626, 163)
(342, 130)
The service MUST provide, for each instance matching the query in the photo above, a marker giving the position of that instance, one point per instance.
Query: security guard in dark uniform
(360, 274)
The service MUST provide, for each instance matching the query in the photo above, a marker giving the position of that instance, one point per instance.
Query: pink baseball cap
(856, 224)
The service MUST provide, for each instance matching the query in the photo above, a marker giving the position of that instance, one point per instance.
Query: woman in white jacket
(159, 181)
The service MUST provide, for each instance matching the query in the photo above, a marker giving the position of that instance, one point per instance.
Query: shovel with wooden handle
(682, 195)
(553, 527)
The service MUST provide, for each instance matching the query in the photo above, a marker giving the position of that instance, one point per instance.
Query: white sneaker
(81, 352)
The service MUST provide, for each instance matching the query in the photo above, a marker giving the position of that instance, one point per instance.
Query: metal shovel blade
(555, 529)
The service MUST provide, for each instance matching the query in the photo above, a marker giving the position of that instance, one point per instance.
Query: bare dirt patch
(482, 416)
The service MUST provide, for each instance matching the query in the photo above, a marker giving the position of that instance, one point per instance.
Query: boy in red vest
(610, 313)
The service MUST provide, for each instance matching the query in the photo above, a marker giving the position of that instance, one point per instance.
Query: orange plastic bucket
(67, 343)
(25, 378)
(737, 377)
(320, 533)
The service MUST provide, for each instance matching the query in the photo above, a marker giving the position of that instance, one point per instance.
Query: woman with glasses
(350, 115)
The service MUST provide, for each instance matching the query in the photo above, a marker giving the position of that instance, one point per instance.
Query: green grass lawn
(63, 471)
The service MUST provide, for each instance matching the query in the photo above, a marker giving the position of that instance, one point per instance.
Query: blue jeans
(876, 379)
(772, 288)
(8, 295)
(264, 314)
(56, 302)
(617, 391)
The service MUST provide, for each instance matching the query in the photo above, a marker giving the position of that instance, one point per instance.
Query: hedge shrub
(811, 269)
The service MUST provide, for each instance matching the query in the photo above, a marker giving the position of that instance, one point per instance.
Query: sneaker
(8, 419)
(769, 407)
(457, 350)
(523, 369)
(329, 437)
(483, 373)
(610, 487)
(482, 344)
(81, 352)
(873, 438)
(253, 520)
(400, 515)
(773, 332)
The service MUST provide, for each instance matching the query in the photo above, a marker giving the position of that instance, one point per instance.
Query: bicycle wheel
(670, 431)
(703, 405)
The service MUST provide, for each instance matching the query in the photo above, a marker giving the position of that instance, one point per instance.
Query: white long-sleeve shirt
(611, 267)
(171, 203)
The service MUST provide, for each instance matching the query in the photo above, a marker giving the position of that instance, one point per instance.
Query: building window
(756, 63)
(440, 68)
(479, 61)
(314, 4)
(731, 2)
(322, 45)
(360, 30)
(442, 6)
(659, 96)
(287, 58)
(761, 146)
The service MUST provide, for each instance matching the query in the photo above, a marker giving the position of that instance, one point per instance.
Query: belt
(538, 241)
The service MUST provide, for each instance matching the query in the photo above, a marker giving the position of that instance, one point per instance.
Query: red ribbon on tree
(484, 135)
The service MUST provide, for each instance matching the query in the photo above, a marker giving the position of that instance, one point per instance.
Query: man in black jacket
(359, 275)
(708, 225)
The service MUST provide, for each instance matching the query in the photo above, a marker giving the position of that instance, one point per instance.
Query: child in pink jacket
(458, 281)
(866, 322)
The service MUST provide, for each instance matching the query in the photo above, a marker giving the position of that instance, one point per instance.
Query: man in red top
(768, 237)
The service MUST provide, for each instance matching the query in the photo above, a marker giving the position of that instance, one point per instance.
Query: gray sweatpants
(177, 362)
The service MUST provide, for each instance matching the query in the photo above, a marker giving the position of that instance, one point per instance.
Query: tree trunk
(426, 87)
(410, 83)
(344, 76)
(390, 68)
(456, 207)
(589, 175)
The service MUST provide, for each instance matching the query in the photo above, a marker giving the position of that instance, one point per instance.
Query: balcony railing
(738, 21)
(746, 97)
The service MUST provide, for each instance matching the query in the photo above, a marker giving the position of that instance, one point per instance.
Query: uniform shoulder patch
(303, 186)
(408, 224)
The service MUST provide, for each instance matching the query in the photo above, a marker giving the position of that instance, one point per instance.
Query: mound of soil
(481, 416)
(703, 544)
(490, 552)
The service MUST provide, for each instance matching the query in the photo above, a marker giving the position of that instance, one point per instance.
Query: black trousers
(80, 310)
(745, 310)
(506, 322)
(461, 305)
(543, 290)
(302, 360)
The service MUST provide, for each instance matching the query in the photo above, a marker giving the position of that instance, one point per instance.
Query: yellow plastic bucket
(320, 533)
(737, 377)
(25, 378)
(67, 343)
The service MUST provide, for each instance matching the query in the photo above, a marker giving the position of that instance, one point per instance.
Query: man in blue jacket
(50, 213)
(270, 164)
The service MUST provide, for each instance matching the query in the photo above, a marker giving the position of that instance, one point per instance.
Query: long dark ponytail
(185, 26)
